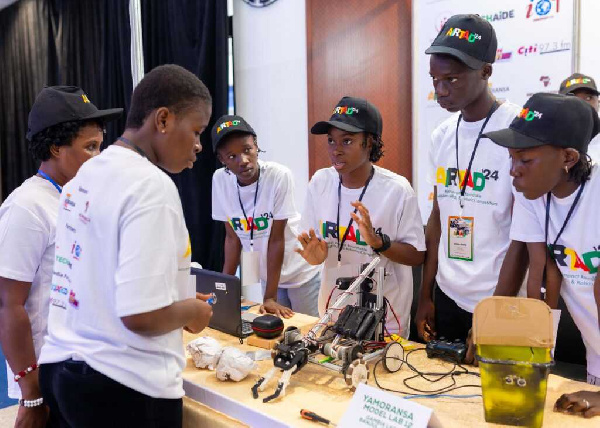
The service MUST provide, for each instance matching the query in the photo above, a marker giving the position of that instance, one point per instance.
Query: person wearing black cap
(355, 210)
(255, 200)
(584, 87)
(555, 213)
(121, 289)
(467, 231)
(64, 130)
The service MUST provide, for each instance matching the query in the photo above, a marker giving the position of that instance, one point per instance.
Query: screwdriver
(311, 416)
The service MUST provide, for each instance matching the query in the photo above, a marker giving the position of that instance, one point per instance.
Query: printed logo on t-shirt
(353, 243)
(76, 250)
(584, 263)
(260, 224)
(70, 228)
(60, 289)
(64, 261)
(68, 203)
(82, 190)
(188, 250)
(476, 182)
(72, 300)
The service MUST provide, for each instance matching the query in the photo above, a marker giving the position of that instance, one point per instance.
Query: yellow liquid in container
(514, 383)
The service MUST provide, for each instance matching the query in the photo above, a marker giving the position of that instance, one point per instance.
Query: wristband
(32, 403)
(386, 243)
(25, 372)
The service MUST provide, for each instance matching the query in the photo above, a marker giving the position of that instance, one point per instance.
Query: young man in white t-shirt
(584, 87)
(65, 130)
(121, 293)
(467, 231)
(557, 209)
(355, 210)
(255, 201)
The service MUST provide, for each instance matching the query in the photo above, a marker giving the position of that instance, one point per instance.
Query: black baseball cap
(229, 124)
(469, 38)
(578, 81)
(353, 115)
(59, 104)
(550, 119)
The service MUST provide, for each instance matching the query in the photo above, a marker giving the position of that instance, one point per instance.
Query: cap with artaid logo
(229, 124)
(352, 114)
(469, 38)
(550, 119)
(59, 104)
(578, 81)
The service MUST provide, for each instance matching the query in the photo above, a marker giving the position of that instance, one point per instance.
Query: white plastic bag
(234, 365)
(205, 352)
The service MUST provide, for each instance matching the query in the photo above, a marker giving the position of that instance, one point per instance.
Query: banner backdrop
(535, 41)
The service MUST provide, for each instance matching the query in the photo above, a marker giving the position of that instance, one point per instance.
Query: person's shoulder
(508, 111)
(393, 181)
(274, 169)
(33, 193)
(221, 176)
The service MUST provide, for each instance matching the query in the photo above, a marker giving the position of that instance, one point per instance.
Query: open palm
(314, 250)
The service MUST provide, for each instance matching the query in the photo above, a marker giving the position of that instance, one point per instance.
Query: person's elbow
(141, 324)
(418, 258)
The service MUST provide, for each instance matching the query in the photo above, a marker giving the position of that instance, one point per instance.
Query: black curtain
(193, 34)
(59, 42)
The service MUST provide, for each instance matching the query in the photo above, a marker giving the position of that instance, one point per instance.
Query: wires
(432, 377)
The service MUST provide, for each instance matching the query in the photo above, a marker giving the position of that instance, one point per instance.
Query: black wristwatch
(386, 243)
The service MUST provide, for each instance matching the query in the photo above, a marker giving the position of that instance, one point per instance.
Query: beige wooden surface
(325, 393)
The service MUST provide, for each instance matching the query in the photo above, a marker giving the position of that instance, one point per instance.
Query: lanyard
(133, 146)
(47, 177)
(569, 214)
(251, 226)
(341, 244)
(463, 188)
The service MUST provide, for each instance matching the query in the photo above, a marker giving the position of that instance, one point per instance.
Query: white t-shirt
(488, 199)
(27, 228)
(275, 201)
(393, 208)
(122, 248)
(577, 253)
(594, 148)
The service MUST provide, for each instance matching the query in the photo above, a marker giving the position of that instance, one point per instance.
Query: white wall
(589, 45)
(269, 54)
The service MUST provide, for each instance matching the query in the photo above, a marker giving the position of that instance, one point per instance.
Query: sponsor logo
(60, 289)
(503, 56)
(529, 115)
(463, 34)
(76, 250)
(527, 50)
(227, 125)
(82, 190)
(345, 110)
(544, 48)
(68, 203)
(545, 80)
(70, 228)
(560, 253)
(538, 10)
(84, 219)
(499, 16)
(72, 300)
(64, 261)
(58, 303)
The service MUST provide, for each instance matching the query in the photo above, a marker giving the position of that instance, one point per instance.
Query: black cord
(427, 376)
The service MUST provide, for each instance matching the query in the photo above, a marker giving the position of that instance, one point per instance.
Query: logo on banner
(538, 10)
(432, 96)
(499, 16)
(544, 48)
(498, 89)
(503, 56)
(545, 80)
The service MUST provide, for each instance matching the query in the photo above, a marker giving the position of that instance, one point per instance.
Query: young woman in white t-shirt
(255, 200)
(114, 353)
(65, 130)
(355, 210)
(556, 209)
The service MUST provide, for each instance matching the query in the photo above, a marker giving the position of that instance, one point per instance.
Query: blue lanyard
(47, 177)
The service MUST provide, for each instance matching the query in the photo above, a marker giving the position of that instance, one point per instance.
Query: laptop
(227, 313)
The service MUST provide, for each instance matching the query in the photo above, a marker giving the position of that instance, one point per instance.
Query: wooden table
(325, 392)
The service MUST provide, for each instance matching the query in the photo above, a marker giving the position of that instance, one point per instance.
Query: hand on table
(585, 403)
(270, 306)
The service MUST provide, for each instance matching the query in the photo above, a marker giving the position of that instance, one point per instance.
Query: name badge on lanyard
(460, 238)
(461, 229)
(250, 262)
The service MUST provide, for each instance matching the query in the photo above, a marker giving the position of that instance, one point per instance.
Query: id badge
(460, 238)
(250, 267)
